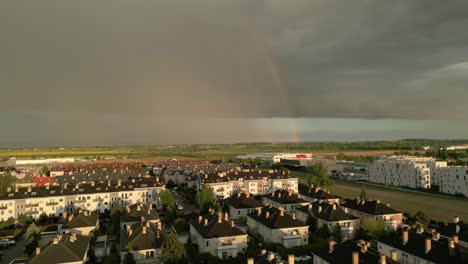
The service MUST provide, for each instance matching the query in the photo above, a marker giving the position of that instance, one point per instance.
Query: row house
(241, 204)
(137, 213)
(456, 228)
(284, 199)
(143, 240)
(257, 182)
(218, 236)
(70, 248)
(352, 252)
(54, 200)
(317, 194)
(275, 226)
(423, 248)
(330, 215)
(81, 222)
(376, 210)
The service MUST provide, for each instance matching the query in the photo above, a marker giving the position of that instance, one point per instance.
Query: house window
(207, 243)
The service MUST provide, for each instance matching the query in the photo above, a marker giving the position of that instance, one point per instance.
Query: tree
(172, 250)
(337, 234)
(113, 257)
(363, 194)
(45, 171)
(129, 259)
(6, 180)
(318, 175)
(373, 229)
(32, 231)
(23, 219)
(43, 218)
(206, 199)
(30, 247)
(166, 200)
(323, 231)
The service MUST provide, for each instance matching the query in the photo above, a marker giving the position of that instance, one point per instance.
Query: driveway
(13, 252)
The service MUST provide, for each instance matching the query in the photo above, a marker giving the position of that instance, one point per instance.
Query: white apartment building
(54, 200)
(256, 182)
(453, 180)
(412, 172)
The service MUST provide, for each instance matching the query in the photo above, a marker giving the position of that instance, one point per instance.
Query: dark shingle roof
(80, 219)
(235, 175)
(450, 229)
(144, 235)
(440, 251)
(215, 229)
(370, 207)
(318, 193)
(65, 250)
(284, 197)
(137, 211)
(332, 213)
(242, 200)
(275, 220)
(343, 252)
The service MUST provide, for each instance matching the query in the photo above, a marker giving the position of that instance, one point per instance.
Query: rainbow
(280, 83)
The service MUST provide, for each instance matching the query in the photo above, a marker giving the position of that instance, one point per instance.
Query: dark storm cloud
(164, 71)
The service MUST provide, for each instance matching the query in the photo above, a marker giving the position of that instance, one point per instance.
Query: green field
(228, 151)
(438, 207)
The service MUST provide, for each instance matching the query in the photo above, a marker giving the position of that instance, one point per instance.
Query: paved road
(13, 252)
(187, 207)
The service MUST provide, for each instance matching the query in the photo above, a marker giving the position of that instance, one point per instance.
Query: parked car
(302, 258)
(180, 207)
(7, 242)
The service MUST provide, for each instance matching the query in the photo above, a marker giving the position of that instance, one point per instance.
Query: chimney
(247, 194)
(290, 259)
(346, 210)
(427, 245)
(108, 183)
(250, 261)
(138, 208)
(455, 239)
(279, 195)
(436, 236)
(334, 206)
(457, 228)
(281, 211)
(29, 189)
(206, 221)
(72, 237)
(226, 216)
(263, 252)
(331, 245)
(320, 209)
(38, 250)
(393, 255)
(64, 215)
(420, 230)
(220, 217)
(378, 201)
(147, 224)
(267, 215)
(130, 232)
(310, 207)
(200, 219)
(383, 259)
(144, 230)
(238, 195)
(55, 241)
(405, 237)
(271, 256)
(294, 215)
(159, 226)
(119, 182)
(65, 185)
(355, 257)
(157, 234)
(364, 247)
(232, 223)
(259, 211)
(92, 183)
(16, 189)
(456, 219)
(8, 189)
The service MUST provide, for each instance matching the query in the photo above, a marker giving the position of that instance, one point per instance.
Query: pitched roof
(247, 175)
(144, 235)
(333, 213)
(284, 197)
(80, 219)
(243, 200)
(450, 229)
(273, 219)
(64, 250)
(137, 211)
(343, 252)
(319, 194)
(214, 228)
(370, 207)
(440, 250)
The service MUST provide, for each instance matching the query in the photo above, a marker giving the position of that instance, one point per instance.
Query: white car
(302, 258)
(7, 242)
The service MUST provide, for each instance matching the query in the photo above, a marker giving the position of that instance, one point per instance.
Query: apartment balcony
(98, 200)
(226, 246)
(80, 201)
(291, 236)
(31, 205)
(32, 213)
(52, 204)
(3, 207)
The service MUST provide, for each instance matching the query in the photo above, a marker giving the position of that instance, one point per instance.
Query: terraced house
(257, 182)
(54, 200)
(218, 236)
(285, 199)
(376, 210)
(241, 204)
(143, 240)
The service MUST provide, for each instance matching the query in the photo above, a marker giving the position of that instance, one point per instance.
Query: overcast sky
(80, 73)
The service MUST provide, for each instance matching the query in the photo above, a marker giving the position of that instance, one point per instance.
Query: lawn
(438, 207)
